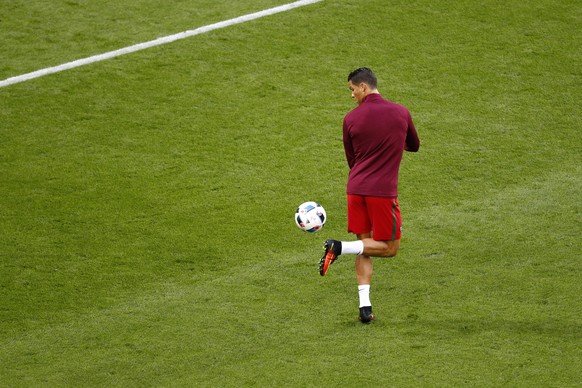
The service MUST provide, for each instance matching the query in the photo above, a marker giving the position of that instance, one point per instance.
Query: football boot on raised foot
(333, 249)
(366, 315)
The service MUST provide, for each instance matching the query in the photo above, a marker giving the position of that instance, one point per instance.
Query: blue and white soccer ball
(310, 217)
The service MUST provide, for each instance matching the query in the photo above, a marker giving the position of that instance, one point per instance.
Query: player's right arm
(349, 149)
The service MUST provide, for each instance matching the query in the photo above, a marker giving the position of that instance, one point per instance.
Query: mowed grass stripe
(154, 43)
(214, 331)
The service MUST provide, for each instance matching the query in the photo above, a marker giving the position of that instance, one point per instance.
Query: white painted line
(156, 42)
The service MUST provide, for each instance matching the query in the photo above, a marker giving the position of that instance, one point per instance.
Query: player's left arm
(412, 143)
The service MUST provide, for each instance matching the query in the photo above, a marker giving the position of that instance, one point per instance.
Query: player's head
(362, 82)
(365, 75)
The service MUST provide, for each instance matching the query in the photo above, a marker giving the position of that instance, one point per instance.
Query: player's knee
(390, 250)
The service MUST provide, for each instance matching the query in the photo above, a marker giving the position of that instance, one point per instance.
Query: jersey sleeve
(349, 149)
(412, 140)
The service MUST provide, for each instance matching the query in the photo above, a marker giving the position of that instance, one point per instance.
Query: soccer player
(375, 134)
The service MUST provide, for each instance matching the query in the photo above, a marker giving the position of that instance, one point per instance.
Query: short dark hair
(365, 75)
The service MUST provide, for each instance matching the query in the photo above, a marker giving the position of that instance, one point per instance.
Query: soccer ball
(310, 217)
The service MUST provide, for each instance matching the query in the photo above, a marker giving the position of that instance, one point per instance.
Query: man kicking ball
(375, 134)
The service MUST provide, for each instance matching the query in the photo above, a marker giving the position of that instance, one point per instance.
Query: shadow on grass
(479, 326)
(414, 325)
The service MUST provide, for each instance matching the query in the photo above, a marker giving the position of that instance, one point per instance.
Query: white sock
(353, 247)
(364, 292)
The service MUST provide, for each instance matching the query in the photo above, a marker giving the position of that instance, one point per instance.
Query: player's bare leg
(364, 272)
(364, 269)
(364, 248)
(380, 248)
(364, 266)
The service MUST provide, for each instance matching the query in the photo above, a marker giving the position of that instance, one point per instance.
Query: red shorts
(378, 215)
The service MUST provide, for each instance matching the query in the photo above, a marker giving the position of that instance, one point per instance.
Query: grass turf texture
(147, 201)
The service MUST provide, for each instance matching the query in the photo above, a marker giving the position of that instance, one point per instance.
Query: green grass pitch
(146, 202)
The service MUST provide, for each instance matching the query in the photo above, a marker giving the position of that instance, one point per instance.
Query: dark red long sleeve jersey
(375, 135)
